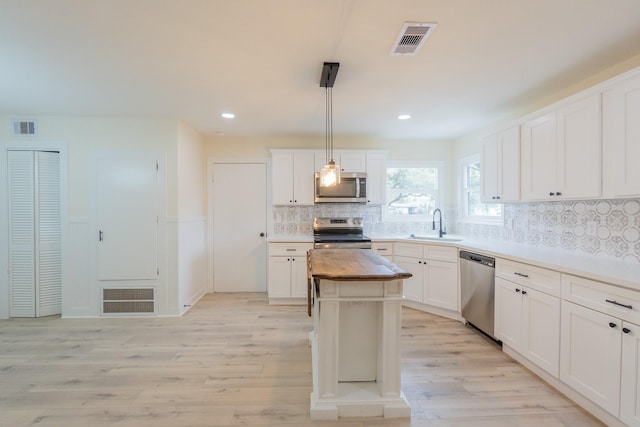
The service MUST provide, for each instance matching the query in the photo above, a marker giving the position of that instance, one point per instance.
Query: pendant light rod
(329, 74)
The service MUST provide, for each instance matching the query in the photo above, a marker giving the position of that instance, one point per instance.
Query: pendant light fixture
(330, 173)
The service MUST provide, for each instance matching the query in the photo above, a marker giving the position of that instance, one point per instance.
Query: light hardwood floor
(234, 360)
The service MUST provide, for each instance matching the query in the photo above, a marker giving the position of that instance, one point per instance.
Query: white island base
(356, 350)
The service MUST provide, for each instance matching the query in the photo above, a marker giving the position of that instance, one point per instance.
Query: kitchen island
(356, 338)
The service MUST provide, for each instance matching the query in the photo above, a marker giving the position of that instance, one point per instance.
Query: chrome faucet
(440, 232)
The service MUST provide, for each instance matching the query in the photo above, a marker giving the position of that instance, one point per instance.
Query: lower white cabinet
(591, 350)
(435, 274)
(287, 276)
(630, 380)
(384, 249)
(528, 321)
(600, 350)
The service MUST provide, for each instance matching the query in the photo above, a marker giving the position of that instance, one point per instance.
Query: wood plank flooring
(233, 360)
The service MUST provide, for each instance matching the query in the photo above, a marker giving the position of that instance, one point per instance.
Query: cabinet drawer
(603, 297)
(541, 279)
(413, 250)
(382, 248)
(289, 249)
(441, 253)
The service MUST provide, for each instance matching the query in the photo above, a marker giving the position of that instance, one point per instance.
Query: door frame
(5, 146)
(210, 203)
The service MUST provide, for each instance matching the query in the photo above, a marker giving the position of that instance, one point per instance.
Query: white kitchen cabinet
(600, 342)
(287, 270)
(292, 177)
(501, 166)
(348, 160)
(435, 274)
(621, 143)
(630, 380)
(384, 249)
(590, 354)
(376, 178)
(561, 153)
(528, 321)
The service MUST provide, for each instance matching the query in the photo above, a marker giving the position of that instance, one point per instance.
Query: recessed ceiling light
(404, 116)
(228, 115)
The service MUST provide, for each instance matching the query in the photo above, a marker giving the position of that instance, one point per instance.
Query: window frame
(463, 163)
(394, 164)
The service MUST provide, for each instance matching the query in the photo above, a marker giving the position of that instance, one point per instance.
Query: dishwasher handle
(478, 259)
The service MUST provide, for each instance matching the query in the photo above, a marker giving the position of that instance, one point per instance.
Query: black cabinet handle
(629, 306)
(612, 325)
(551, 194)
(493, 197)
(261, 234)
(498, 197)
(558, 193)
(521, 274)
(626, 330)
(100, 236)
(517, 290)
(524, 292)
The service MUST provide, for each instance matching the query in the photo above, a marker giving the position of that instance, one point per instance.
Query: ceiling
(261, 59)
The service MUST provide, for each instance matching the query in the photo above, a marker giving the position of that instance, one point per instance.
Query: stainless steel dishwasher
(477, 274)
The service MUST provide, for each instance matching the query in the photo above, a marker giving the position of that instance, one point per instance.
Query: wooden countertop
(353, 265)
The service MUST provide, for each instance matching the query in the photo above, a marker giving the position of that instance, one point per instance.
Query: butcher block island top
(345, 265)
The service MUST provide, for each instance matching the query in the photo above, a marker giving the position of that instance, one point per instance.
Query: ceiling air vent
(24, 127)
(411, 38)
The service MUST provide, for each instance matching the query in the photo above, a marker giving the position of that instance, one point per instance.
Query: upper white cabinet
(376, 178)
(561, 152)
(348, 160)
(501, 166)
(621, 132)
(292, 177)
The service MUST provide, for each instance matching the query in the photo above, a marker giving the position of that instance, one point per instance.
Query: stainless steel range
(339, 233)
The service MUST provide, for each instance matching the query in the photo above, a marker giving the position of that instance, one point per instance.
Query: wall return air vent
(412, 37)
(24, 127)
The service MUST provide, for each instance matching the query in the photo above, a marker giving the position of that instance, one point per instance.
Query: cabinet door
(282, 178)
(590, 353)
(352, 161)
(299, 277)
(622, 137)
(508, 313)
(279, 277)
(441, 285)
(412, 287)
(629, 393)
(541, 330)
(579, 148)
(539, 158)
(489, 169)
(509, 165)
(376, 178)
(303, 163)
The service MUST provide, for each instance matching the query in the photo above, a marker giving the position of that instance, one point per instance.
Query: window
(471, 207)
(413, 190)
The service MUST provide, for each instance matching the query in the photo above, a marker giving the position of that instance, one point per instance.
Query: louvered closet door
(35, 257)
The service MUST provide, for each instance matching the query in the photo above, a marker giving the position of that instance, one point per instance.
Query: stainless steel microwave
(352, 188)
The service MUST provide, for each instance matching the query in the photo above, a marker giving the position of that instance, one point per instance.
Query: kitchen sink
(435, 238)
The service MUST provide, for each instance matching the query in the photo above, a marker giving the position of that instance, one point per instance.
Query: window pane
(412, 191)
(473, 175)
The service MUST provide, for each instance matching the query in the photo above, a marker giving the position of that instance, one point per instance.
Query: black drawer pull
(517, 290)
(521, 274)
(629, 306)
(612, 325)
(524, 292)
(626, 330)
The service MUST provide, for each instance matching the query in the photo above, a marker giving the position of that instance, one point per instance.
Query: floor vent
(24, 127)
(411, 38)
(128, 301)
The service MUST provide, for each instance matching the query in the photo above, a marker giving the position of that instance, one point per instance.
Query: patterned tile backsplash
(607, 228)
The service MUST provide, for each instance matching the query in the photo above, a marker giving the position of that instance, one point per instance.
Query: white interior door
(239, 194)
(35, 236)
(127, 217)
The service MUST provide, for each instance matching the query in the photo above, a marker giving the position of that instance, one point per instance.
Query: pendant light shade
(330, 173)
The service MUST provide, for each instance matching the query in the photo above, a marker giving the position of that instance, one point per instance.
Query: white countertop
(589, 266)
